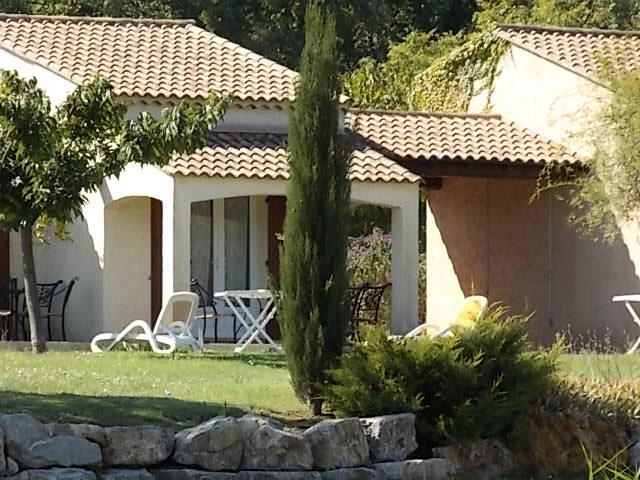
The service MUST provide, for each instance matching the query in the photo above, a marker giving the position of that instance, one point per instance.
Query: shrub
(613, 400)
(470, 385)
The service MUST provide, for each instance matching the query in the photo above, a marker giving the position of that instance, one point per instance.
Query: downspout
(488, 238)
(549, 258)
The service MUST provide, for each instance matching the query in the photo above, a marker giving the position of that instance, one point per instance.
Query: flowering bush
(369, 261)
(369, 258)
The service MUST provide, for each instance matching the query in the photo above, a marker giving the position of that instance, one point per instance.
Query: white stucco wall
(127, 262)
(236, 119)
(97, 305)
(56, 86)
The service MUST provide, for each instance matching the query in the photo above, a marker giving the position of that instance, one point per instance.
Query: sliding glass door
(220, 243)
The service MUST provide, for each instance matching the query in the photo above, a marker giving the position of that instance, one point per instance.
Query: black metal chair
(207, 302)
(46, 292)
(367, 305)
(8, 292)
(66, 290)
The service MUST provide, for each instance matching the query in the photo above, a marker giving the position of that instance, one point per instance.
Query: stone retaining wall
(223, 448)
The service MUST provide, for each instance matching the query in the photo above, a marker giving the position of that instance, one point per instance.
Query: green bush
(470, 385)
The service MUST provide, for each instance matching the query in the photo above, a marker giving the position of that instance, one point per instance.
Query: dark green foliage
(313, 313)
(471, 385)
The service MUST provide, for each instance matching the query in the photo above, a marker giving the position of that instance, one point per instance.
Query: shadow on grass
(112, 410)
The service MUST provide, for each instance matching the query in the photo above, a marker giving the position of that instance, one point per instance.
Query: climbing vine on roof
(449, 83)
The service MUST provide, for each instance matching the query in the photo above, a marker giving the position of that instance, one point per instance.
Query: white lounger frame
(165, 337)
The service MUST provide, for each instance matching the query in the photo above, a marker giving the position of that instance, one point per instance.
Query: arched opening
(132, 261)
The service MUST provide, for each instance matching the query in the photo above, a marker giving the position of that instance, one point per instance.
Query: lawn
(127, 388)
(122, 388)
(611, 367)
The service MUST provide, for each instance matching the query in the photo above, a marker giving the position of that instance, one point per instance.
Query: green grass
(606, 385)
(611, 367)
(126, 388)
(129, 388)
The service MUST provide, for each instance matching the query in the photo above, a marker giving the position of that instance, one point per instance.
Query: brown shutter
(156, 259)
(277, 207)
(277, 210)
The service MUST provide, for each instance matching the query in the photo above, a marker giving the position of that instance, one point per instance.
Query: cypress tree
(313, 313)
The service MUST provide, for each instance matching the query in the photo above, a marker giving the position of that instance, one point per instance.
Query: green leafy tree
(51, 159)
(388, 84)
(313, 312)
(605, 192)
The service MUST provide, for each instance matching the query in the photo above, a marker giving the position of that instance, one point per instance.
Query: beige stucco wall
(544, 97)
(484, 237)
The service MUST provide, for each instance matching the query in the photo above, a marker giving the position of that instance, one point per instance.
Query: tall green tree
(50, 159)
(314, 312)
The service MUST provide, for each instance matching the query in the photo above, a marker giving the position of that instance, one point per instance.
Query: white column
(177, 252)
(258, 250)
(404, 266)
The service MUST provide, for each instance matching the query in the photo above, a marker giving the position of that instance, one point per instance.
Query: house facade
(550, 81)
(216, 215)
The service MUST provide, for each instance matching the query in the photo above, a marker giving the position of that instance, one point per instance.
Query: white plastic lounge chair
(472, 309)
(628, 299)
(170, 334)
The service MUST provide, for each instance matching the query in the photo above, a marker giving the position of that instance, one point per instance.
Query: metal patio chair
(365, 304)
(46, 292)
(8, 292)
(66, 290)
(207, 304)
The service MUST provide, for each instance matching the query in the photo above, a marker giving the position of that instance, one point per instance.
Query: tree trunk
(31, 291)
(316, 406)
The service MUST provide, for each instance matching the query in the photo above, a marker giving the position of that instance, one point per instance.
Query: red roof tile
(461, 137)
(146, 58)
(577, 49)
(264, 155)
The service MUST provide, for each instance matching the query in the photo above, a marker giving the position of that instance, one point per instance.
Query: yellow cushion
(470, 313)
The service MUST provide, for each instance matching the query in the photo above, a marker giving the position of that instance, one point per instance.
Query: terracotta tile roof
(580, 50)
(453, 137)
(146, 58)
(264, 155)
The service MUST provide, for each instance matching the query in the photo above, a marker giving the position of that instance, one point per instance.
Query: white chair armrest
(422, 329)
(626, 298)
